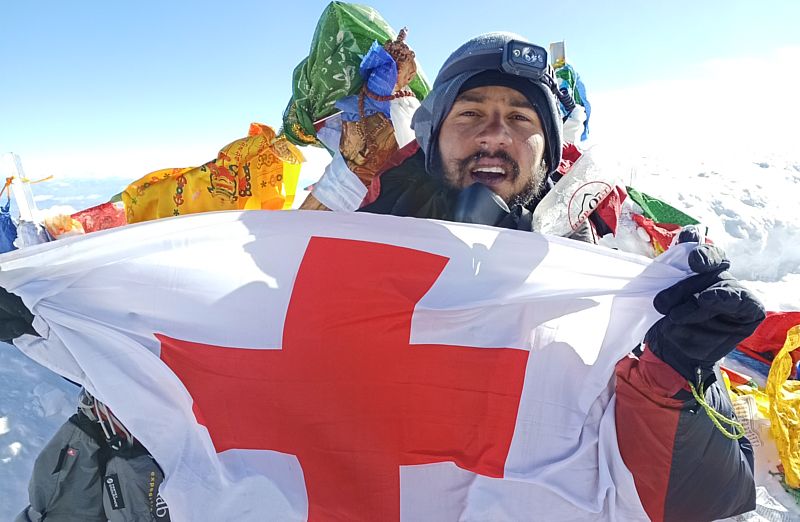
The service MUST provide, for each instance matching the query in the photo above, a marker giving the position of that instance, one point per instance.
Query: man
(491, 123)
(480, 128)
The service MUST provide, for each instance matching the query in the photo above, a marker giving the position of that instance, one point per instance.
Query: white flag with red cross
(323, 366)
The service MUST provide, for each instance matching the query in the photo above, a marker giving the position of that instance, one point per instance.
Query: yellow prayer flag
(257, 172)
(784, 405)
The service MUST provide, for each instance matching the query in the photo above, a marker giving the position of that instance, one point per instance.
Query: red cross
(347, 394)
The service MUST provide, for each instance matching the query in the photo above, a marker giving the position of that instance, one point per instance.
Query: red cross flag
(326, 366)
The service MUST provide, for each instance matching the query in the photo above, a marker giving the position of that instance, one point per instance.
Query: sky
(123, 88)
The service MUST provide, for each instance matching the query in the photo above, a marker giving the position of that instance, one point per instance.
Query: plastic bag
(8, 230)
(570, 202)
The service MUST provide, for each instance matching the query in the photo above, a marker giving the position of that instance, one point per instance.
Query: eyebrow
(472, 97)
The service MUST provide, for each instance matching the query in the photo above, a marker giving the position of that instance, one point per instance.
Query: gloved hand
(15, 318)
(706, 316)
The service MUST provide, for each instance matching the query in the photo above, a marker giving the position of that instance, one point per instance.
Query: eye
(520, 117)
(468, 113)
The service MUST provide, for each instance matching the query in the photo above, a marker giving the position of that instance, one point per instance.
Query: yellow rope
(9, 180)
(716, 417)
(28, 180)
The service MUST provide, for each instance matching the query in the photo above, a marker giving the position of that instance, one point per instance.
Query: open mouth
(489, 175)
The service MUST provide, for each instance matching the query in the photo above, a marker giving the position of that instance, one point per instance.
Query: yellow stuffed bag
(784, 408)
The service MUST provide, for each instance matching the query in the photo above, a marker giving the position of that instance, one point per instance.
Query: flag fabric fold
(315, 366)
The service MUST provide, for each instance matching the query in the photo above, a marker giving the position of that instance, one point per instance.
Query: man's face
(494, 136)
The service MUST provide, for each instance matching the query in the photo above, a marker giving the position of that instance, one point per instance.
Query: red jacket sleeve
(684, 468)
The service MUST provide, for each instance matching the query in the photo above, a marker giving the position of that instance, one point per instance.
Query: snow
(34, 402)
(748, 207)
(744, 205)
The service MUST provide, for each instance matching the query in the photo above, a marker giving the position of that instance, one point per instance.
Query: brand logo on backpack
(585, 200)
(114, 492)
(162, 511)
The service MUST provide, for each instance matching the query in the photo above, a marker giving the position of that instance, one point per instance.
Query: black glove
(707, 315)
(15, 318)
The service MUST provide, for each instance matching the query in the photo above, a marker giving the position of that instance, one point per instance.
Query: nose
(495, 134)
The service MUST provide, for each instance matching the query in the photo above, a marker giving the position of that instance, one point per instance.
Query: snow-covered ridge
(749, 208)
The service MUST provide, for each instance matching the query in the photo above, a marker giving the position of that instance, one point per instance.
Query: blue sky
(122, 87)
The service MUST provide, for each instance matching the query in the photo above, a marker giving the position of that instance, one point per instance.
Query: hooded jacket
(683, 467)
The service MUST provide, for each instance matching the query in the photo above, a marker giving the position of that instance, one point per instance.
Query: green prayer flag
(330, 72)
(659, 211)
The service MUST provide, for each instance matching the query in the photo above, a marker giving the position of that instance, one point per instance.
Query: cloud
(133, 160)
(742, 106)
(129, 162)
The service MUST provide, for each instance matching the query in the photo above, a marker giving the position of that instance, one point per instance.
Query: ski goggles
(515, 57)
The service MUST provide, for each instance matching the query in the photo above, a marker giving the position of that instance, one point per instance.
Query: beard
(532, 190)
